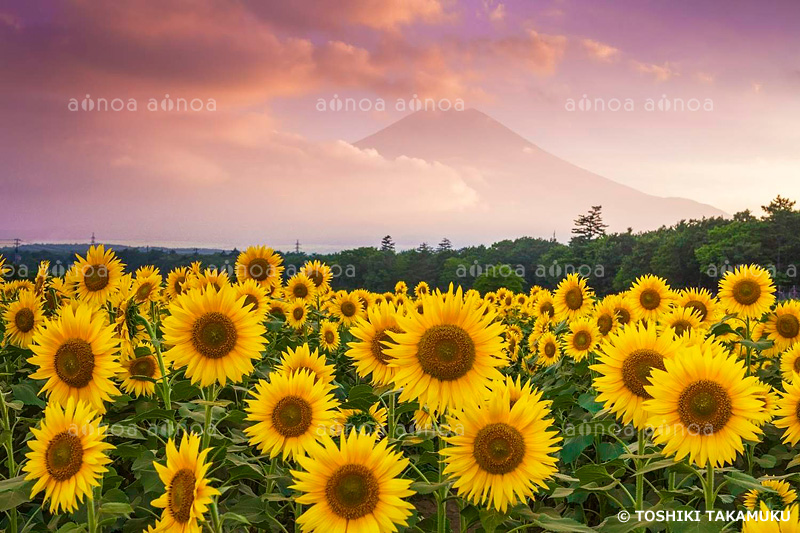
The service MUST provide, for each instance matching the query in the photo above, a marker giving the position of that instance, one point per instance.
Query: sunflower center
(178, 284)
(259, 269)
(604, 324)
(300, 291)
(549, 349)
(352, 491)
(704, 407)
(298, 313)
(446, 352)
(23, 320)
(181, 495)
(316, 277)
(681, 326)
(144, 291)
(378, 349)
(636, 370)
(291, 416)
(214, 335)
(547, 309)
(498, 448)
(582, 340)
(746, 292)
(348, 309)
(796, 365)
(574, 298)
(650, 299)
(143, 366)
(74, 363)
(64, 456)
(623, 316)
(251, 300)
(330, 337)
(788, 326)
(699, 307)
(95, 277)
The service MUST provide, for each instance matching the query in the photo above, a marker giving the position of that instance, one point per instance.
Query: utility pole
(297, 246)
(17, 242)
(93, 241)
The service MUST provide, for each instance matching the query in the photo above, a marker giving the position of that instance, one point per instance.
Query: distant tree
(424, 248)
(778, 205)
(387, 244)
(744, 216)
(496, 277)
(590, 225)
(445, 245)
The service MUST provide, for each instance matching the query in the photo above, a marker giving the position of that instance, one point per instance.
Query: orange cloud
(600, 51)
(661, 73)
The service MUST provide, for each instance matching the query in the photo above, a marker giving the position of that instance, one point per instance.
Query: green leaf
(14, 492)
(550, 523)
(421, 487)
(491, 520)
(116, 509)
(574, 447)
(741, 479)
(766, 461)
(26, 393)
(587, 401)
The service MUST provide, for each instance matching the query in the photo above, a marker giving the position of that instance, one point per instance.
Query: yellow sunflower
(503, 453)
(23, 317)
(176, 280)
(782, 498)
(319, 273)
(300, 287)
(400, 287)
(422, 289)
(97, 276)
(353, 487)
(209, 278)
(769, 403)
(67, 457)
(583, 337)
(703, 405)
(213, 335)
(701, 300)
(573, 298)
(790, 364)
(365, 297)
(545, 305)
(787, 521)
(649, 297)
(548, 351)
(261, 264)
(346, 308)
(605, 316)
(681, 320)
(747, 291)
(296, 313)
(449, 354)
(626, 360)
(76, 353)
(302, 358)
(783, 326)
(788, 413)
(369, 421)
(291, 412)
(329, 336)
(147, 285)
(42, 274)
(254, 296)
(137, 368)
(187, 493)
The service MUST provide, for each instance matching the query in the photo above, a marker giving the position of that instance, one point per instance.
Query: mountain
(522, 188)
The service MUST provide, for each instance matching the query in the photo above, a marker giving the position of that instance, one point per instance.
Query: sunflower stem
(91, 519)
(12, 466)
(165, 388)
(215, 521)
(210, 395)
(392, 421)
(639, 473)
(709, 486)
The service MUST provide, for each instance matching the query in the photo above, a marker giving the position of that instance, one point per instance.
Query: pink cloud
(600, 51)
(661, 73)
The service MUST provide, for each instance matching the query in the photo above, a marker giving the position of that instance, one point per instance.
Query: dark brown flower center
(316, 276)
(144, 291)
(95, 277)
(446, 352)
(623, 315)
(64, 456)
(704, 407)
(547, 309)
(24, 319)
(259, 269)
(746, 292)
(787, 326)
(378, 347)
(681, 326)
(796, 364)
(330, 337)
(178, 284)
(574, 298)
(352, 491)
(650, 299)
(348, 309)
(698, 307)
(300, 290)
(298, 313)
(550, 350)
(143, 366)
(214, 335)
(181, 495)
(636, 370)
(74, 363)
(604, 324)
(252, 301)
(498, 448)
(582, 340)
(291, 416)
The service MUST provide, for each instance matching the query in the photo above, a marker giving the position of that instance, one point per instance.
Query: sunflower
(42, 274)
(353, 487)
(449, 354)
(422, 289)
(545, 305)
(512, 388)
(369, 421)
(400, 287)
(4, 269)
(626, 360)
(213, 335)
(67, 457)
(147, 286)
(176, 280)
(747, 291)
(790, 364)
(209, 278)
(701, 300)
(137, 368)
(503, 452)
(649, 297)
(187, 492)
(787, 521)
(769, 403)
(788, 412)
(302, 358)
(783, 326)
(605, 316)
(346, 308)
(572, 298)
(300, 287)
(582, 338)
(276, 308)
(782, 498)
(369, 352)
(365, 297)
(76, 353)
(549, 349)
(254, 296)
(703, 405)
(296, 313)
(681, 320)
(97, 276)
(261, 264)
(328, 336)
(23, 319)
(291, 412)
(319, 273)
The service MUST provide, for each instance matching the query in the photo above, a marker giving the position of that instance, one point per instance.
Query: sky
(260, 153)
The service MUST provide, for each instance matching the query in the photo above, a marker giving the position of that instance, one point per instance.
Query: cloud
(660, 73)
(600, 51)
(493, 10)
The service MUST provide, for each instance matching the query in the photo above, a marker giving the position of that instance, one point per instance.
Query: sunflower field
(208, 400)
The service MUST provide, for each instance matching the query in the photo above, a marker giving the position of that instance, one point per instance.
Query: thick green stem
(392, 421)
(91, 519)
(210, 397)
(639, 474)
(12, 465)
(709, 486)
(215, 521)
(441, 504)
(165, 388)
